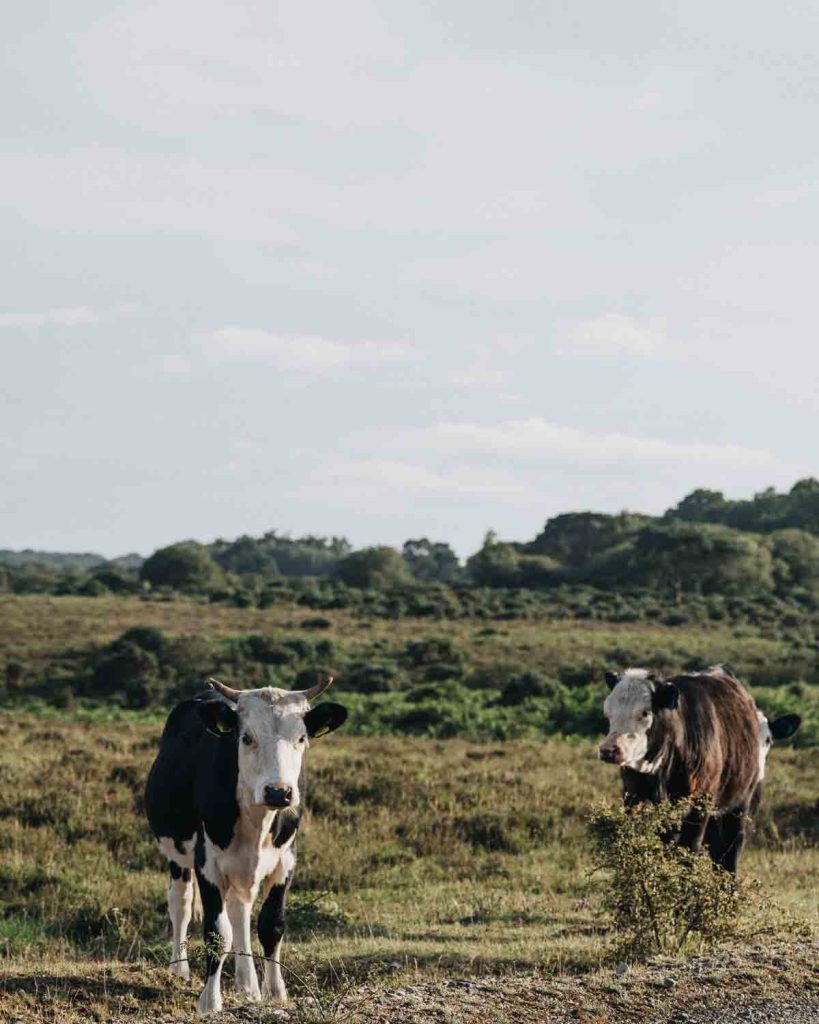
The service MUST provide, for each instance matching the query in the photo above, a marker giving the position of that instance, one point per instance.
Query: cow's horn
(312, 692)
(226, 691)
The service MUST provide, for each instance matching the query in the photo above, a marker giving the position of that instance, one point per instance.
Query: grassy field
(388, 667)
(420, 862)
(437, 880)
(34, 627)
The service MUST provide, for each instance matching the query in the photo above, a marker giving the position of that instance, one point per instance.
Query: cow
(781, 728)
(691, 735)
(224, 800)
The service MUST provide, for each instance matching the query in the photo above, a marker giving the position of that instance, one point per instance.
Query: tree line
(706, 544)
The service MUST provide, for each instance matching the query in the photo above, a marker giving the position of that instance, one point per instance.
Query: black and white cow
(224, 800)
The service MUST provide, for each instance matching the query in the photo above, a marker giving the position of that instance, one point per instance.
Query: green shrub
(270, 651)
(372, 677)
(124, 664)
(432, 651)
(520, 688)
(662, 897)
(183, 566)
(149, 638)
(380, 567)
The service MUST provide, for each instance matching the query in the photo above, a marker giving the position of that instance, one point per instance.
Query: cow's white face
(270, 729)
(765, 743)
(781, 728)
(272, 741)
(629, 710)
(636, 697)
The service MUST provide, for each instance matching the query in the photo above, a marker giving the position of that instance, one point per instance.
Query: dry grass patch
(421, 862)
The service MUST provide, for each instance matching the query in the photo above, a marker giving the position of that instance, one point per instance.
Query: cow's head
(271, 729)
(635, 700)
(781, 728)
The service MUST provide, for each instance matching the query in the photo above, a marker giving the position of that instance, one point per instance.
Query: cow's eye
(303, 739)
(646, 714)
(247, 739)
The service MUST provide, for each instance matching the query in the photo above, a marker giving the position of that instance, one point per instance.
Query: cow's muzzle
(611, 755)
(278, 796)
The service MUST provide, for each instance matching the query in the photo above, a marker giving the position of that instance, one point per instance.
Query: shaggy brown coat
(708, 745)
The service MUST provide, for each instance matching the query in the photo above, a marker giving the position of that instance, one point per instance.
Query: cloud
(390, 474)
(613, 334)
(69, 316)
(305, 354)
(777, 198)
(536, 440)
(479, 378)
(105, 189)
(176, 365)
(646, 101)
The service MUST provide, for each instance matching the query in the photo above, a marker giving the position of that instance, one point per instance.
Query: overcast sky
(391, 269)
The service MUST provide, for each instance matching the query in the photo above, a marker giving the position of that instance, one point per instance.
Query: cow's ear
(666, 697)
(220, 718)
(323, 719)
(612, 679)
(785, 726)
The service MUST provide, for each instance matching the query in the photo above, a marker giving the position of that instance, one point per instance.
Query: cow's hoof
(274, 994)
(181, 969)
(209, 1002)
(250, 990)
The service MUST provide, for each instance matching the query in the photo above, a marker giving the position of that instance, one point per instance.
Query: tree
(575, 538)
(273, 555)
(496, 564)
(702, 557)
(701, 506)
(183, 566)
(431, 561)
(796, 558)
(378, 568)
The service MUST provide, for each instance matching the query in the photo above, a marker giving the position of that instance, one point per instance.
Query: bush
(521, 688)
(661, 896)
(149, 638)
(376, 567)
(184, 566)
(132, 672)
(270, 651)
(372, 677)
(432, 651)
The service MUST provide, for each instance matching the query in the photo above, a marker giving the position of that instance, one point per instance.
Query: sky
(389, 270)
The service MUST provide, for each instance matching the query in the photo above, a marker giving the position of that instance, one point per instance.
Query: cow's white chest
(647, 767)
(247, 862)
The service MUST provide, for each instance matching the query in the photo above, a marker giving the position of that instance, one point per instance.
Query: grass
(35, 627)
(420, 861)
(437, 879)
(50, 646)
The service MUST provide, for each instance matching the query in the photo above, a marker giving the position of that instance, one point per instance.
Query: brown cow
(691, 735)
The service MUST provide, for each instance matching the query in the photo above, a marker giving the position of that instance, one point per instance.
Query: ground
(472, 897)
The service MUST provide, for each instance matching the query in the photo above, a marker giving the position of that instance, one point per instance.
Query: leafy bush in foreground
(661, 896)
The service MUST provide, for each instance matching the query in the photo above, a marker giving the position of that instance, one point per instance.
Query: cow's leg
(239, 914)
(714, 838)
(734, 824)
(180, 907)
(217, 934)
(271, 931)
(693, 829)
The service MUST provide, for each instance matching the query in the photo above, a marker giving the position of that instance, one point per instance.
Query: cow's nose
(278, 796)
(610, 754)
